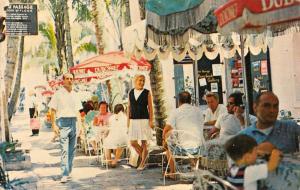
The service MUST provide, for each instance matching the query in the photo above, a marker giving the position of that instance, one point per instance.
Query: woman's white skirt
(117, 138)
(139, 129)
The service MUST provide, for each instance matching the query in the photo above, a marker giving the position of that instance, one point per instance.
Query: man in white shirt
(214, 109)
(65, 107)
(232, 122)
(189, 120)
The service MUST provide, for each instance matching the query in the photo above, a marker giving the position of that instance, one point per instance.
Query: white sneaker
(69, 178)
(64, 179)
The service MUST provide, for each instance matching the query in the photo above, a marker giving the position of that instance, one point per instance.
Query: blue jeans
(67, 126)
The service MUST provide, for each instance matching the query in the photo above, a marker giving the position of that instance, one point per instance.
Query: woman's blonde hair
(138, 76)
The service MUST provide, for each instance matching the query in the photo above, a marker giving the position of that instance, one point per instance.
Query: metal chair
(153, 147)
(215, 159)
(175, 144)
(206, 180)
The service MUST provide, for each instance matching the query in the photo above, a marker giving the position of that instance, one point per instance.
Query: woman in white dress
(117, 135)
(140, 115)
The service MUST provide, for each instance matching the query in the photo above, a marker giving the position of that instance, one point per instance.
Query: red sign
(264, 67)
(235, 8)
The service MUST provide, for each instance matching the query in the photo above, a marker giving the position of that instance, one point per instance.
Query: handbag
(134, 157)
(35, 123)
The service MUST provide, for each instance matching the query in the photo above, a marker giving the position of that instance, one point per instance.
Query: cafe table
(287, 175)
(206, 129)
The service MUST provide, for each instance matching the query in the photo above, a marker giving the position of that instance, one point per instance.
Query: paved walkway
(45, 170)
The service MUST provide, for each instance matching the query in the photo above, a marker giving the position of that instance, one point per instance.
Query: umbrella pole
(245, 97)
(196, 81)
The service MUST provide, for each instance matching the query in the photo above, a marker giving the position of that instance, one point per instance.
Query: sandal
(172, 177)
(141, 168)
(143, 163)
(113, 164)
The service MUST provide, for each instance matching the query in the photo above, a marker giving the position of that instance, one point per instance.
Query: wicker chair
(215, 160)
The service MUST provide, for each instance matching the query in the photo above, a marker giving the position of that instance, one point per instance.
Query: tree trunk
(109, 90)
(156, 80)
(69, 49)
(98, 29)
(12, 55)
(117, 21)
(16, 89)
(127, 14)
(59, 32)
(5, 136)
(142, 9)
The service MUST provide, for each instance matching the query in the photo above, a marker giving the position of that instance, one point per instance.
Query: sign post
(21, 19)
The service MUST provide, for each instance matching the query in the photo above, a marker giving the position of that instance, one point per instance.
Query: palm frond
(86, 47)
(47, 30)
(86, 31)
(83, 11)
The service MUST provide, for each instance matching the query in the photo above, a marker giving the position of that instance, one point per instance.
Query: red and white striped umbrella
(258, 15)
(55, 83)
(40, 87)
(107, 65)
(47, 93)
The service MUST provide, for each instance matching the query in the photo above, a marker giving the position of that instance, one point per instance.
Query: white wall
(285, 70)
(168, 84)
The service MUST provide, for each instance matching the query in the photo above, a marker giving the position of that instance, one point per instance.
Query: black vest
(139, 107)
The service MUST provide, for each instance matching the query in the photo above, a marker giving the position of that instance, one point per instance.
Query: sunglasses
(230, 103)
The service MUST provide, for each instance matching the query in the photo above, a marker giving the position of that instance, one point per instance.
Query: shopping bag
(35, 123)
(133, 159)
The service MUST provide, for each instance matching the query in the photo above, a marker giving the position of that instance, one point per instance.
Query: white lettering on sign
(274, 4)
(228, 14)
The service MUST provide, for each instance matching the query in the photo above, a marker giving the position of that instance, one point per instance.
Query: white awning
(196, 44)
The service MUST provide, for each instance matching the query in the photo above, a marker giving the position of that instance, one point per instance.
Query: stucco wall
(285, 69)
(169, 85)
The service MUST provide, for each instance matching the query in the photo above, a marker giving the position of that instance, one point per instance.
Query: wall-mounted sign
(264, 67)
(21, 19)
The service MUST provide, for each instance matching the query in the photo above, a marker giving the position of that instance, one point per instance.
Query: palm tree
(16, 90)
(85, 43)
(47, 31)
(69, 49)
(98, 29)
(84, 14)
(127, 13)
(12, 54)
(57, 11)
(156, 80)
(86, 47)
(115, 11)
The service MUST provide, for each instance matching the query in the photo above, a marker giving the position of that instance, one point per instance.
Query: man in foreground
(269, 132)
(65, 108)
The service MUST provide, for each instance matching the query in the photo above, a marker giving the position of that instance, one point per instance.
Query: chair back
(216, 159)
(207, 180)
(185, 143)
